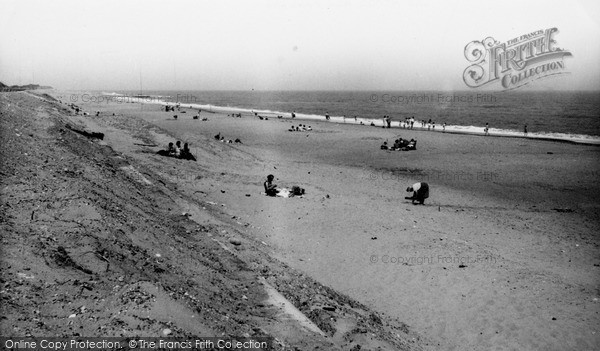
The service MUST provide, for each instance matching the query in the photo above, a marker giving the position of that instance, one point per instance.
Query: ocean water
(564, 114)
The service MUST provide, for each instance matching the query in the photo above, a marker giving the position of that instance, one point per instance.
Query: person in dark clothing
(420, 192)
(270, 188)
(186, 154)
(169, 151)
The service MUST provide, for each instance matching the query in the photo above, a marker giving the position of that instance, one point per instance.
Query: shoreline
(378, 122)
(366, 122)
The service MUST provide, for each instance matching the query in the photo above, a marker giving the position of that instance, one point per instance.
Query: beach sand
(502, 255)
(96, 243)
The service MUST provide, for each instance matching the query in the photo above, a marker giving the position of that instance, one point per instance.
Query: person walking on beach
(327, 116)
(420, 192)
(525, 130)
(486, 130)
(444, 127)
(412, 122)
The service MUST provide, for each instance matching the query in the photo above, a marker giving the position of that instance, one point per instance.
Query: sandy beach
(97, 242)
(502, 255)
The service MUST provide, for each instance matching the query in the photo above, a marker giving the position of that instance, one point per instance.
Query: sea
(573, 116)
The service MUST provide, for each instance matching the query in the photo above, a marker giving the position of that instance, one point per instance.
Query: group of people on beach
(173, 107)
(300, 128)
(408, 123)
(178, 107)
(197, 116)
(222, 139)
(177, 151)
(401, 145)
(430, 124)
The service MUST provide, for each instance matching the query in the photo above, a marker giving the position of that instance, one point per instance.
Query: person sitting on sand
(420, 192)
(384, 146)
(400, 144)
(309, 129)
(185, 151)
(177, 148)
(218, 136)
(169, 151)
(186, 154)
(292, 129)
(412, 145)
(270, 188)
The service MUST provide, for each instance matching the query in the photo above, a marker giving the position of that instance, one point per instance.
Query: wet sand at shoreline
(502, 256)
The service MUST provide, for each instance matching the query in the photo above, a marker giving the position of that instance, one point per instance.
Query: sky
(279, 45)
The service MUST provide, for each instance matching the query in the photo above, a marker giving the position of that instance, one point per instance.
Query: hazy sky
(273, 45)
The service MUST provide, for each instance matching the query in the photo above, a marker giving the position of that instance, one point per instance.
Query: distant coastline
(5, 88)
